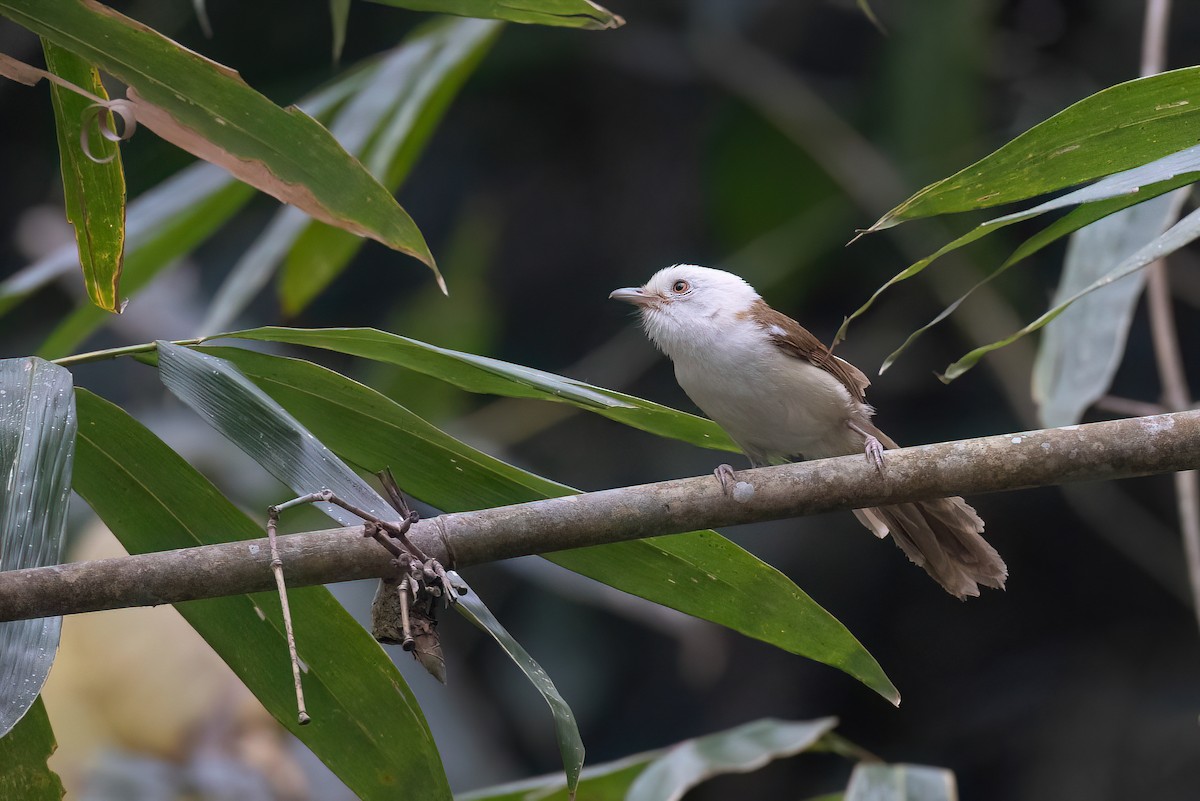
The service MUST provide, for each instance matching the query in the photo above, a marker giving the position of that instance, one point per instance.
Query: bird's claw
(725, 476)
(873, 450)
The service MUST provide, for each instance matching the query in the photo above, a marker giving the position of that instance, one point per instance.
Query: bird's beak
(631, 294)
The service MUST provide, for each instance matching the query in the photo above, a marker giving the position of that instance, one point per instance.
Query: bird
(782, 395)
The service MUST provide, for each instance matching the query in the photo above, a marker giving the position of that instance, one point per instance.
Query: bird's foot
(873, 450)
(725, 476)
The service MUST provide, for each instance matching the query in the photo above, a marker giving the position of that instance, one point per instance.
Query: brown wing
(795, 340)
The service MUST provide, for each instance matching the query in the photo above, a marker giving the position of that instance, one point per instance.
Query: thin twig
(277, 569)
(1167, 355)
(1128, 407)
(1093, 452)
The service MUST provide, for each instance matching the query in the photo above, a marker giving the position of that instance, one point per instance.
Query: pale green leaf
(37, 447)
(561, 13)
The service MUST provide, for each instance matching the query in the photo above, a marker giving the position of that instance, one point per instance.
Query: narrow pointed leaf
(1121, 190)
(1079, 351)
(367, 726)
(400, 92)
(701, 574)
(24, 773)
(607, 782)
(439, 58)
(209, 111)
(492, 376)
(570, 745)
(744, 747)
(876, 782)
(94, 192)
(1116, 129)
(1075, 220)
(164, 224)
(37, 447)
(742, 750)
(339, 15)
(249, 418)
(562, 13)
(1180, 234)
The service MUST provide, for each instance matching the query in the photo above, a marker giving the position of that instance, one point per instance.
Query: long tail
(942, 536)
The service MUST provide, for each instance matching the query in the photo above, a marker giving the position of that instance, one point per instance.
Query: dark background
(577, 162)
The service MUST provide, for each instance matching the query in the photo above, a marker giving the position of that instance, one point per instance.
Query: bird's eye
(679, 287)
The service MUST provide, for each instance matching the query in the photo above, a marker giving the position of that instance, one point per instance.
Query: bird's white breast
(771, 403)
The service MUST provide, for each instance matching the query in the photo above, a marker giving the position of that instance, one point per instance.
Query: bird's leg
(725, 476)
(872, 448)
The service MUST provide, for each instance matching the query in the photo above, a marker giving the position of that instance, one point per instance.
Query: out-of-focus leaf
(37, 446)
(367, 727)
(94, 192)
(430, 65)
(438, 59)
(741, 750)
(668, 773)
(24, 774)
(607, 782)
(1116, 129)
(201, 9)
(701, 573)
(492, 376)
(570, 745)
(209, 111)
(339, 14)
(1076, 219)
(1080, 351)
(1126, 189)
(875, 782)
(561, 13)
(1180, 234)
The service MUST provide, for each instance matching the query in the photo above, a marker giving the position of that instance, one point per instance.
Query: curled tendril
(121, 108)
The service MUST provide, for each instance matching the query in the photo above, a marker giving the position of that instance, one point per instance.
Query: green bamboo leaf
(741, 750)
(607, 782)
(441, 55)
(669, 772)
(1079, 352)
(37, 446)
(492, 376)
(1122, 190)
(94, 192)
(872, 781)
(23, 754)
(1115, 129)
(253, 421)
(209, 111)
(339, 15)
(561, 13)
(1076, 220)
(570, 745)
(406, 91)
(165, 223)
(701, 573)
(367, 726)
(1180, 234)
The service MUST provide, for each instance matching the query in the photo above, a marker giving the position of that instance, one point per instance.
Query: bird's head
(685, 304)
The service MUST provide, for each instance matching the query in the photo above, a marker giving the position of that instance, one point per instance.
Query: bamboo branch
(1094, 452)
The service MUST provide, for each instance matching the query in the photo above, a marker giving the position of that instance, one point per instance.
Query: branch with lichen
(1094, 452)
